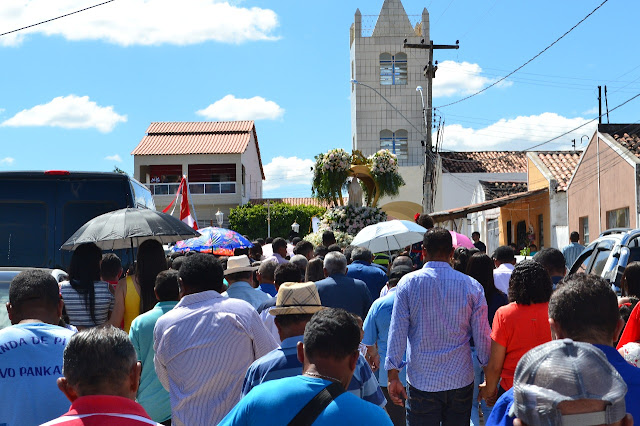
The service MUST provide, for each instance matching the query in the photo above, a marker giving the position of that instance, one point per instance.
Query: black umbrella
(128, 228)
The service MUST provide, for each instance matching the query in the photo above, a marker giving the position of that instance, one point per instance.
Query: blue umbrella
(215, 240)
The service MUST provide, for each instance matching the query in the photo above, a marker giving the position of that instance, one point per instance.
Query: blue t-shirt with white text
(30, 364)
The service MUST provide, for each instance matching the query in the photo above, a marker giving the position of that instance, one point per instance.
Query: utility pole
(429, 163)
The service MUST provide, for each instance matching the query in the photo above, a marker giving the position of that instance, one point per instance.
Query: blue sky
(78, 93)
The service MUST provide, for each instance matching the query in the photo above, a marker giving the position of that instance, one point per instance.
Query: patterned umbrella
(214, 240)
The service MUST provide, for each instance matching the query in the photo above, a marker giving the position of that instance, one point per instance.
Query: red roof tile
(561, 164)
(206, 137)
(498, 189)
(484, 162)
(631, 142)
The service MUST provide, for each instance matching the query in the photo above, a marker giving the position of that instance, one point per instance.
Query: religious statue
(355, 193)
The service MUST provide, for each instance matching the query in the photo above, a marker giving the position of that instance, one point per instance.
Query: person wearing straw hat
(239, 275)
(295, 305)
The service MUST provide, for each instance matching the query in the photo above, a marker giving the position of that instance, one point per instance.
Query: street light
(219, 218)
(295, 227)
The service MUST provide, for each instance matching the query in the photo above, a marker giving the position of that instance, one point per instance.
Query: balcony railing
(194, 188)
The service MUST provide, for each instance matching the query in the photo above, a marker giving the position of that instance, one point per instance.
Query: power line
(57, 17)
(526, 63)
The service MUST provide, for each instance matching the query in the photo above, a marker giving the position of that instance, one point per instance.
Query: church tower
(378, 60)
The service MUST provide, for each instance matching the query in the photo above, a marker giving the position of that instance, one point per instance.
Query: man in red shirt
(101, 378)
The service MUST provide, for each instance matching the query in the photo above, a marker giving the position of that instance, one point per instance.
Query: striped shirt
(283, 362)
(437, 310)
(203, 348)
(78, 310)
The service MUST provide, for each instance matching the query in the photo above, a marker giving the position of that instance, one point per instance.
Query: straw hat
(297, 298)
(239, 264)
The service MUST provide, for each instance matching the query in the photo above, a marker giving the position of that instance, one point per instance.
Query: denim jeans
(478, 380)
(449, 408)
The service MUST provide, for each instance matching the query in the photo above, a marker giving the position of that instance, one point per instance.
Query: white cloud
(283, 171)
(7, 160)
(460, 78)
(69, 112)
(140, 22)
(114, 157)
(591, 112)
(2, 110)
(517, 133)
(231, 108)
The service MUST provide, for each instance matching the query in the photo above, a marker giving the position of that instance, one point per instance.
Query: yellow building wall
(535, 179)
(526, 209)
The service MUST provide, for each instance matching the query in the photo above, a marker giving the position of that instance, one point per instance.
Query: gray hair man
(101, 378)
(361, 268)
(338, 290)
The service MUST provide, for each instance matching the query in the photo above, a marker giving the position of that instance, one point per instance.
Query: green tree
(251, 219)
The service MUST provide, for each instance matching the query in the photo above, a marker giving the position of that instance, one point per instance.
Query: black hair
(425, 221)
(84, 270)
(255, 252)
(278, 243)
(331, 333)
(240, 251)
(202, 272)
(303, 247)
(585, 306)
(362, 254)
(260, 241)
(97, 359)
(315, 270)
(328, 238)
(320, 251)
(504, 254)
(460, 259)
(334, 247)
(397, 273)
(166, 286)
(151, 261)
(437, 242)
(292, 319)
(530, 283)
(177, 263)
(287, 273)
(630, 282)
(110, 266)
(475, 233)
(269, 240)
(34, 285)
(295, 240)
(480, 267)
(552, 259)
(626, 308)
(574, 237)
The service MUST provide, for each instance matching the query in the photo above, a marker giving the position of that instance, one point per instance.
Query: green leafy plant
(251, 219)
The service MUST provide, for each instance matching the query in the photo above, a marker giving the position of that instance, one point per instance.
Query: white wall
(253, 175)
(457, 189)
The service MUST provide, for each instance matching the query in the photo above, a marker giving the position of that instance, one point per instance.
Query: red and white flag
(185, 213)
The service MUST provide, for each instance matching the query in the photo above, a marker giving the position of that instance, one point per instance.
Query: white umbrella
(390, 235)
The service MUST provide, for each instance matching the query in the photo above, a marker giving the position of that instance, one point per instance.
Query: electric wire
(57, 17)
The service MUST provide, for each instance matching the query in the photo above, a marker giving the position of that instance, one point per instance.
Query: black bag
(316, 406)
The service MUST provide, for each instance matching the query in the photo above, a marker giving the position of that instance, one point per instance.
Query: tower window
(393, 69)
(396, 142)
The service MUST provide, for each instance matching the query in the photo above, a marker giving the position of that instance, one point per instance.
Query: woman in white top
(88, 301)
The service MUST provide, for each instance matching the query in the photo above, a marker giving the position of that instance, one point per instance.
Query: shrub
(251, 219)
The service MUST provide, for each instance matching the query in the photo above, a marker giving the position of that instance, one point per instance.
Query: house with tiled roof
(604, 191)
(220, 159)
(533, 212)
(461, 172)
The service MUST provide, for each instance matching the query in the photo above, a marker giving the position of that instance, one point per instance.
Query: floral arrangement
(330, 173)
(351, 219)
(384, 168)
(342, 238)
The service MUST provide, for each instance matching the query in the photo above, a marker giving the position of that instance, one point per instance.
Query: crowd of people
(429, 335)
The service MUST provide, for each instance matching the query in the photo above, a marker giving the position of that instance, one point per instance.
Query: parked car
(609, 254)
(6, 275)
